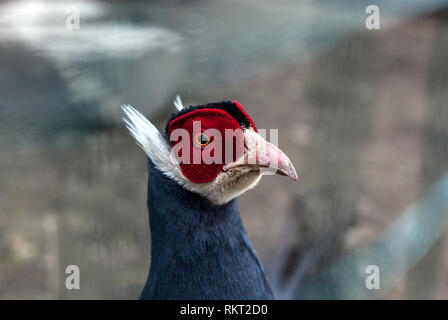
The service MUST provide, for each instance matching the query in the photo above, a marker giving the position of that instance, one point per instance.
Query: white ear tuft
(152, 142)
(178, 103)
(146, 135)
(144, 132)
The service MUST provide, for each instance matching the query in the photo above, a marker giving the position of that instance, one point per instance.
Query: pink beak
(261, 154)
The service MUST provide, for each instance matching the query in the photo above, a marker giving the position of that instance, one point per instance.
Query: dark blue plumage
(198, 250)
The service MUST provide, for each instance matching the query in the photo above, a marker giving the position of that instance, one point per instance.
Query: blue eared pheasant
(199, 247)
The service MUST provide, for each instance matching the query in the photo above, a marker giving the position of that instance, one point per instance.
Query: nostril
(250, 141)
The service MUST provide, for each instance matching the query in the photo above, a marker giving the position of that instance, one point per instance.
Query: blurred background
(362, 114)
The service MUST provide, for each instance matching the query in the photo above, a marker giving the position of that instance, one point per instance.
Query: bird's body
(198, 250)
(207, 156)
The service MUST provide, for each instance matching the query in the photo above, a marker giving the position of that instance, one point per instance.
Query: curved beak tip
(291, 172)
(293, 175)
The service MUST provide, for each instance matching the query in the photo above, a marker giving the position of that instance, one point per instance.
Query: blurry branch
(50, 228)
(399, 248)
(423, 281)
(340, 93)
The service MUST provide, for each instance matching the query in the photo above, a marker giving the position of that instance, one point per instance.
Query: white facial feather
(178, 103)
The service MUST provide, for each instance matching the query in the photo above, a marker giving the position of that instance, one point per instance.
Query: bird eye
(201, 139)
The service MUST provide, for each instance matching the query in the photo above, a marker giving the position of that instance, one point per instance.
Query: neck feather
(184, 223)
(193, 239)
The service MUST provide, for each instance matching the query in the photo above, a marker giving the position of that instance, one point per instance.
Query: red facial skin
(239, 106)
(209, 119)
